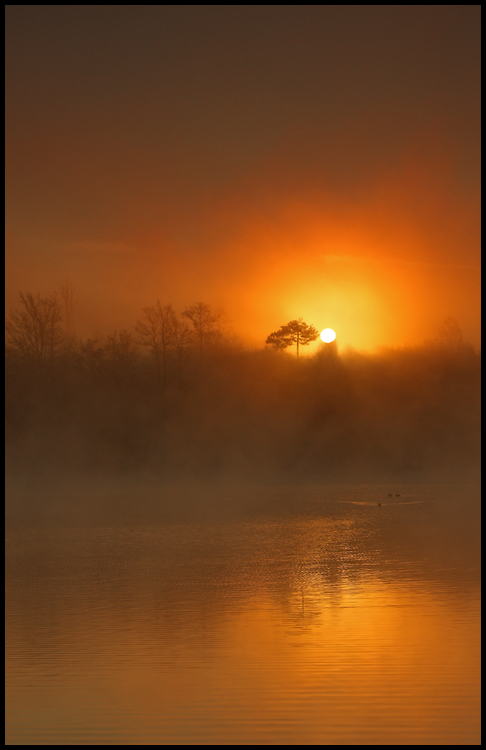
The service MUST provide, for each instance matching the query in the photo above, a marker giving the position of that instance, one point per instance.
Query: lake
(309, 616)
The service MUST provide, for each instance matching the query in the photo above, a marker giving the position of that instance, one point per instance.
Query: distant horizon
(274, 161)
(102, 329)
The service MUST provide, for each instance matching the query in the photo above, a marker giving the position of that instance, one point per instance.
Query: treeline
(38, 340)
(176, 397)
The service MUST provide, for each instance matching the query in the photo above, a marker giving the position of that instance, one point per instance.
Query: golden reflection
(372, 662)
(308, 630)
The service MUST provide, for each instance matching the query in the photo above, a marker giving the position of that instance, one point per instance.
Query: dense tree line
(177, 397)
(36, 339)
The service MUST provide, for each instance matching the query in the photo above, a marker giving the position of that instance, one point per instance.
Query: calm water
(334, 622)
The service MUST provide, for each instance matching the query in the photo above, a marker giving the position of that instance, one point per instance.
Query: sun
(328, 335)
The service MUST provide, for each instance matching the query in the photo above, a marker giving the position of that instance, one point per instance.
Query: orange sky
(336, 183)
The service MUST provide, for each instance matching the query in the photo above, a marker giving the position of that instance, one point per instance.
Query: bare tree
(92, 356)
(120, 353)
(450, 335)
(205, 322)
(34, 331)
(165, 315)
(155, 330)
(181, 336)
(148, 335)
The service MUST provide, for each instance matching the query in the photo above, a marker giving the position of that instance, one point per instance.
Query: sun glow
(328, 335)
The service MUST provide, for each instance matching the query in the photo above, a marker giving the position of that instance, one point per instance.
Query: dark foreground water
(332, 621)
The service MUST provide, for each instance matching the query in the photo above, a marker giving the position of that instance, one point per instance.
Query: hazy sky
(277, 161)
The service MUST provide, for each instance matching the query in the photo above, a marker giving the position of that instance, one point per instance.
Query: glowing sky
(276, 161)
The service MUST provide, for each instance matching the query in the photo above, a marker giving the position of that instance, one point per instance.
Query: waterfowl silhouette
(379, 505)
(397, 495)
(390, 494)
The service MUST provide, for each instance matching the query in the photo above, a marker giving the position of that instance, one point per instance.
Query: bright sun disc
(328, 335)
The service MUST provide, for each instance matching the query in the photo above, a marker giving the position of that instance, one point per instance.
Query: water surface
(335, 621)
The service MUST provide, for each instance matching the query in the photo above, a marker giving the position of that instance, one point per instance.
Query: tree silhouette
(204, 320)
(155, 330)
(181, 336)
(92, 357)
(295, 332)
(450, 335)
(34, 331)
(120, 355)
